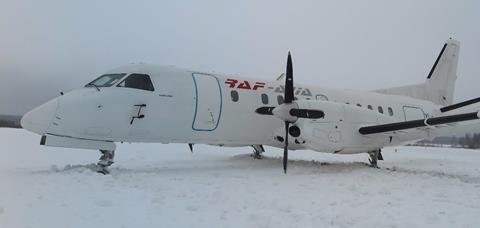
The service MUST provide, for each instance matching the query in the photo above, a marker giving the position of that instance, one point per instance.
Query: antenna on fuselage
(281, 77)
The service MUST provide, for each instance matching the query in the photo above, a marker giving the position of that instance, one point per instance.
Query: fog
(52, 46)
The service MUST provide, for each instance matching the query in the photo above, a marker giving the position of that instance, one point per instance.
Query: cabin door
(413, 113)
(208, 102)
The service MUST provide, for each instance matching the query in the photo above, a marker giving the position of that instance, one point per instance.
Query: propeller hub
(283, 112)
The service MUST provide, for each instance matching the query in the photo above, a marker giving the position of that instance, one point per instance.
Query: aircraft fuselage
(194, 107)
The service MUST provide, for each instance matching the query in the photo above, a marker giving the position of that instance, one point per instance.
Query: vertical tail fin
(440, 84)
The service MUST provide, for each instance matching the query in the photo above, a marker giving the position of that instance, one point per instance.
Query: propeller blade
(265, 110)
(285, 149)
(289, 81)
(307, 113)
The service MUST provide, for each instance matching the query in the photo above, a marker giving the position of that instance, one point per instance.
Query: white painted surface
(180, 112)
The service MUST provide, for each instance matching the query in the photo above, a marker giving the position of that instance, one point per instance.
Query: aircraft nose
(39, 119)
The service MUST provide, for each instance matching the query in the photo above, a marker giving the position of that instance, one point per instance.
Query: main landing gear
(374, 157)
(258, 151)
(105, 161)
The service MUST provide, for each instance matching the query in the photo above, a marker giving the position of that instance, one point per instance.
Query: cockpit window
(106, 80)
(137, 81)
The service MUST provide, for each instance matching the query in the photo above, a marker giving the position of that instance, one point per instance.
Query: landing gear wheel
(105, 161)
(374, 157)
(257, 151)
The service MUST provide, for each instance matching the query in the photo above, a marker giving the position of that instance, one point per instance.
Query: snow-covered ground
(155, 185)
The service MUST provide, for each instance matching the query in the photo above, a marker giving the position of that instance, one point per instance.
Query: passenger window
(264, 98)
(390, 111)
(234, 95)
(106, 80)
(137, 81)
(370, 107)
(380, 109)
(280, 100)
(359, 105)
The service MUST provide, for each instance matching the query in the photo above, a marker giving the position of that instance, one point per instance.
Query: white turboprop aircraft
(148, 103)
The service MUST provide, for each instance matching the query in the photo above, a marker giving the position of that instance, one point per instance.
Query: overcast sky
(361, 45)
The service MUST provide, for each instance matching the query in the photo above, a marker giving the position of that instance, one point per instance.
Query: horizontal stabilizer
(418, 123)
(460, 105)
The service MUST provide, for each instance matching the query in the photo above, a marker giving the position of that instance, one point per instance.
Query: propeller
(289, 81)
(285, 148)
(288, 100)
(289, 111)
(297, 112)
(265, 110)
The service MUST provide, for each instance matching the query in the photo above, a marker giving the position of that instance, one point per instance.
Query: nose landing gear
(105, 161)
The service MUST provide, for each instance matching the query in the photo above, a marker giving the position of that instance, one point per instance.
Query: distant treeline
(471, 141)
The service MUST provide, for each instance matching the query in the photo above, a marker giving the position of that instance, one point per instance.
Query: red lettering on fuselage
(244, 85)
(232, 83)
(258, 85)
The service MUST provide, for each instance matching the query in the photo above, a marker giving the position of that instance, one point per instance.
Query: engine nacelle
(335, 132)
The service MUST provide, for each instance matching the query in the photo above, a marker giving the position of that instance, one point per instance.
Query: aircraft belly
(98, 131)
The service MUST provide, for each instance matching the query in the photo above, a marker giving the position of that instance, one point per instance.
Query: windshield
(137, 81)
(106, 80)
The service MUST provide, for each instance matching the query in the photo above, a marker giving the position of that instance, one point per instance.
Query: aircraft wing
(419, 124)
(10, 121)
